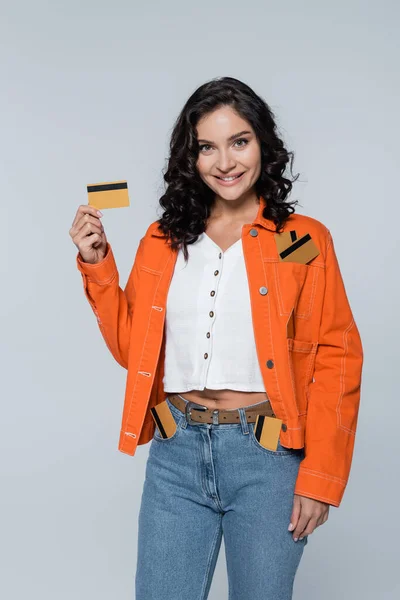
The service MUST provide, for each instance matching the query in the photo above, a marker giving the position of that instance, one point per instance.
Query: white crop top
(209, 332)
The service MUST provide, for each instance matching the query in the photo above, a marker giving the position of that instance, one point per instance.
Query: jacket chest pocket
(295, 286)
(147, 302)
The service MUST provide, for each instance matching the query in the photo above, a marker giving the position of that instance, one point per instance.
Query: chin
(232, 193)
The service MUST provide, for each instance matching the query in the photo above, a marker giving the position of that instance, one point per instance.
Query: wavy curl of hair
(187, 200)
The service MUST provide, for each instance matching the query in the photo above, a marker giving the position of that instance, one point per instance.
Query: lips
(235, 175)
(231, 182)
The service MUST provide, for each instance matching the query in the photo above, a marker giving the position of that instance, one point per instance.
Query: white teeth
(229, 178)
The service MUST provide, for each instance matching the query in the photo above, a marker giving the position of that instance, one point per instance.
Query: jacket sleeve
(334, 394)
(112, 305)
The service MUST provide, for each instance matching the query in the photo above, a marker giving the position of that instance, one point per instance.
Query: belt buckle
(188, 411)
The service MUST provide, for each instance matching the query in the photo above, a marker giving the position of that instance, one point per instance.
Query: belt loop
(243, 420)
(184, 422)
(215, 417)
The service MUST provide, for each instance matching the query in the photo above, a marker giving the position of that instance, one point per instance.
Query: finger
(82, 224)
(309, 529)
(93, 241)
(322, 516)
(295, 513)
(325, 517)
(87, 230)
(84, 209)
(90, 219)
(301, 524)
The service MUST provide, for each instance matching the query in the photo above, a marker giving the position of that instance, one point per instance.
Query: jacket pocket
(305, 301)
(295, 287)
(149, 283)
(301, 357)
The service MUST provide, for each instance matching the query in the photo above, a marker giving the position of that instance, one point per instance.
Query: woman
(244, 360)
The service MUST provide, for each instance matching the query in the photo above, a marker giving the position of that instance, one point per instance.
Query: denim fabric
(207, 481)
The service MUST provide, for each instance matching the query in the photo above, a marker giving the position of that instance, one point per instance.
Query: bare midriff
(222, 399)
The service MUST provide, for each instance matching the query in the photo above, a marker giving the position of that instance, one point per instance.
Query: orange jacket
(308, 345)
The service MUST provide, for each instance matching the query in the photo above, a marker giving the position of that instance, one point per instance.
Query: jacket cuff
(319, 486)
(102, 272)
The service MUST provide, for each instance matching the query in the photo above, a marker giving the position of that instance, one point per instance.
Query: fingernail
(99, 213)
(295, 539)
(291, 527)
(300, 538)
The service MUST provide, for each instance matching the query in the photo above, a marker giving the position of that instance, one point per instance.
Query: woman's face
(228, 147)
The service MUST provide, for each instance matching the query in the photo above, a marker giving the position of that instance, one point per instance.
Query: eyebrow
(230, 139)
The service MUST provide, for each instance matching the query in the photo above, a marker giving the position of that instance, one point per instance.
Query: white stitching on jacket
(324, 475)
(129, 406)
(342, 373)
(282, 407)
(307, 315)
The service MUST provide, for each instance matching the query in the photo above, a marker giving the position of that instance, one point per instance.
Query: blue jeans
(207, 481)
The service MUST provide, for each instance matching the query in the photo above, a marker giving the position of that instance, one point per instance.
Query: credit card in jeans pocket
(267, 430)
(164, 419)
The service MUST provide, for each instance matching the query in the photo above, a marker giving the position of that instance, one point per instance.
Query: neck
(244, 208)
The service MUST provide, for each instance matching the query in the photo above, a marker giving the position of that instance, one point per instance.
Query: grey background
(90, 91)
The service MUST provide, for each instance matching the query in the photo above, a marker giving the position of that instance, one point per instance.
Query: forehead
(221, 122)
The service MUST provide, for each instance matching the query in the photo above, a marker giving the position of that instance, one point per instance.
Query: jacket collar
(259, 220)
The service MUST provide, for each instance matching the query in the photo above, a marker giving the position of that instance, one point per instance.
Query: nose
(225, 162)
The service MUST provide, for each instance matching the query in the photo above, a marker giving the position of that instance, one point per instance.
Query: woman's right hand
(88, 235)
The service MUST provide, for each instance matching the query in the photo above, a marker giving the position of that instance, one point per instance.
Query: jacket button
(284, 427)
(216, 272)
(211, 313)
(254, 232)
(270, 364)
(212, 293)
(206, 355)
(263, 290)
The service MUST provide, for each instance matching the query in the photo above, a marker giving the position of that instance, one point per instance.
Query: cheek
(201, 166)
(255, 166)
(253, 159)
(204, 166)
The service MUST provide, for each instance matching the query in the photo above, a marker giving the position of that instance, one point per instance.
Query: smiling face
(228, 148)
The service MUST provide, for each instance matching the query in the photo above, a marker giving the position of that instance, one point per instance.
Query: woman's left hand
(307, 515)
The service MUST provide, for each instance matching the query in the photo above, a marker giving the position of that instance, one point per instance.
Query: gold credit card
(267, 430)
(302, 250)
(112, 194)
(164, 419)
(285, 239)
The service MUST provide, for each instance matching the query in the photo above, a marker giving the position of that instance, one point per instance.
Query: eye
(241, 145)
(242, 140)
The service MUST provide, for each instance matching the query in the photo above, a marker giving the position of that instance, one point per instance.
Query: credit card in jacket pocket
(294, 249)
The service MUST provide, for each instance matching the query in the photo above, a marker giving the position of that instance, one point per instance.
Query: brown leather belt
(199, 413)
